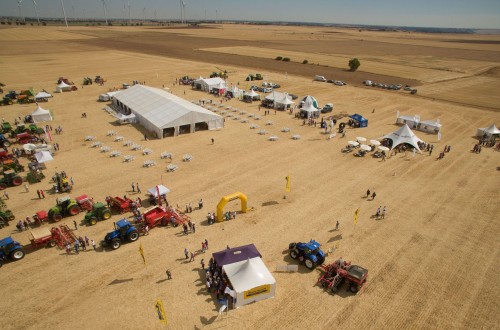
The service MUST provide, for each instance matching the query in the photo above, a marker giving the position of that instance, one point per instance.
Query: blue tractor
(308, 253)
(124, 231)
(10, 249)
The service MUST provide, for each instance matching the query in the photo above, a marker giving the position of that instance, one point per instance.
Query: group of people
(82, 243)
(216, 281)
(446, 149)
(185, 226)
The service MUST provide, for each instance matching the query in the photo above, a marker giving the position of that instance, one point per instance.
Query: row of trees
(354, 63)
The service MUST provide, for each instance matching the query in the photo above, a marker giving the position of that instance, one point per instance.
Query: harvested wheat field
(431, 261)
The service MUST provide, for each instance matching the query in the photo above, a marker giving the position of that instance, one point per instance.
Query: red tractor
(24, 138)
(336, 274)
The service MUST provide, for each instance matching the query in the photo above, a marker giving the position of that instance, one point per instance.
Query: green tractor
(33, 129)
(35, 176)
(99, 212)
(6, 101)
(10, 178)
(258, 76)
(15, 166)
(65, 207)
(6, 127)
(5, 217)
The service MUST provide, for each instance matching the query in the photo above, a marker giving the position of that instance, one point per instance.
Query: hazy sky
(423, 13)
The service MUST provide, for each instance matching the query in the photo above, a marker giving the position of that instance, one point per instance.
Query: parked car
(319, 78)
(327, 108)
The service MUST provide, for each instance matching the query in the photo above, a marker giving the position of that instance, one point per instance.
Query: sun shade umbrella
(382, 148)
(361, 139)
(353, 143)
(375, 142)
(365, 147)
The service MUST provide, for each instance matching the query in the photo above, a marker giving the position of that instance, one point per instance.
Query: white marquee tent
(63, 87)
(251, 281)
(207, 84)
(488, 131)
(160, 188)
(164, 113)
(253, 94)
(43, 157)
(281, 100)
(40, 115)
(42, 95)
(403, 135)
(430, 126)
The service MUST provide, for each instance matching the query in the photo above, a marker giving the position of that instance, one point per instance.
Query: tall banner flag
(47, 133)
(287, 187)
(141, 251)
(160, 311)
(439, 136)
(356, 213)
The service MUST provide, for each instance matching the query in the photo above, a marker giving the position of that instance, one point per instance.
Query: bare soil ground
(432, 261)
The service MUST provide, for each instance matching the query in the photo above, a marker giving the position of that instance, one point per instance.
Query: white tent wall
(488, 131)
(41, 115)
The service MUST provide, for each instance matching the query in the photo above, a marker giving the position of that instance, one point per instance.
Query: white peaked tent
(40, 115)
(309, 108)
(43, 156)
(403, 135)
(251, 281)
(42, 95)
(161, 188)
(430, 126)
(163, 113)
(488, 131)
(252, 94)
(63, 87)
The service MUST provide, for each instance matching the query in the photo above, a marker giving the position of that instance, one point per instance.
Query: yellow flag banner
(160, 311)
(356, 213)
(141, 251)
(287, 187)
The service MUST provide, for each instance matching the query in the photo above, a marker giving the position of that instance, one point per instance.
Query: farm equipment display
(119, 204)
(308, 253)
(4, 142)
(44, 237)
(35, 176)
(12, 164)
(24, 138)
(10, 249)
(6, 127)
(124, 231)
(9, 179)
(84, 202)
(65, 207)
(25, 99)
(12, 95)
(336, 274)
(87, 81)
(99, 211)
(6, 101)
(4, 155)
(33, 129)
(5, 217)
(162, 216)
(61, 183)
(99, 80)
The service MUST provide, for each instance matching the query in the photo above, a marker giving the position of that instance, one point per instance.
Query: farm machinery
(124, 231)
(336, 274)
(61, 183)
(10, 249)
(5, 217)
(6, 127)
(24, 138)
(99, 211)
(44, 237)
(4, 142)
(119, 204)
(6, 101)
(309, 253)
(68, 207)
(87, 81)
(10, 178)
(162, 216)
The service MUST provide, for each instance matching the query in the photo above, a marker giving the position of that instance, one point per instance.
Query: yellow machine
(228, 198)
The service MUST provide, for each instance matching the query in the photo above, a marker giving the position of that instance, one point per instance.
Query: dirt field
(431, 261)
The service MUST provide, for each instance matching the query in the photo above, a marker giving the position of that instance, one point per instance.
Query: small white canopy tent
(209, 83)
(237, 93)
(403, 135)
(161, 188)
(488, 131)
(63, 87)
(43, 157)
(309, 109)
(430, 126)
(42, 95)
(253, 94)
(411, 121)
(251, 281)
(40, 115)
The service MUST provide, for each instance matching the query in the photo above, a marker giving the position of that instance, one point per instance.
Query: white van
(319, 78)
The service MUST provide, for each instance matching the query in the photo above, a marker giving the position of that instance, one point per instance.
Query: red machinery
(43, 237)
(335, 274)
(4, 155)
(162, 216)
(120, 204)
(40, 217)
(85, 202)
(24, 138)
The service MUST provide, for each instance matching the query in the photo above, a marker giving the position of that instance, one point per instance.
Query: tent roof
(42, 94)
(163, 190)
(63, 85)
(434, 123)
(43, 156)
(491, 129)
(211, 81)
(403, 135)
(252, 93)
(247, 274)
(237, 254)
(40, 111)
(163, 109)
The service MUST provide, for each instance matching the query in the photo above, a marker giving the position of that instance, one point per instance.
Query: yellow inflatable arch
(228, 198)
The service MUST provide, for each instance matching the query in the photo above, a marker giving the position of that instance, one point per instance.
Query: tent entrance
(168, 132)
(184, 129)
(203, 126)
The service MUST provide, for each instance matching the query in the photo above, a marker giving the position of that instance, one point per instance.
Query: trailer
(162, 216)
(119, 204)
(45, 237)
(85, 202)
(339, 272)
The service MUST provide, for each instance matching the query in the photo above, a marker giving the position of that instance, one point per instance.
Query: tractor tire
(106, 214)
(57, 217)
(6, 143)
(51, 244)
(354, 288)
(310, 264)
(294, 254)
(17, 254)
(115, 243)
(321, 260)
(93, 221)
(3, 186)
(73, 210)
(133, 236)
(11, 218)
(17, 181)
(292, 246)
(164, 222)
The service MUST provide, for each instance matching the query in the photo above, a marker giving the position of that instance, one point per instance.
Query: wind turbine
(104, 7)
(184, 10)
(64, 13)
(129, 11)
(21, 13)
(36, 11)
(144, 14)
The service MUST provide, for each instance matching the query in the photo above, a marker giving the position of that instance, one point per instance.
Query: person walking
(93, 245)
(192, 257)
(42, 193)
(337, 225)
(200, 204)
(378, 212)
(368, 193)
(26, 187)
(133, 187)
(383, 213)
(87, 241)
(38, 193)
(169, 274)
(186, 253)
(194, 227)
(206, 244)
(374, 195)
(77, 246)
(76, 226)
(71, 181)
(138, 189)
(68, 249)
(202, 262)
(6, 194)
(213, 141)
